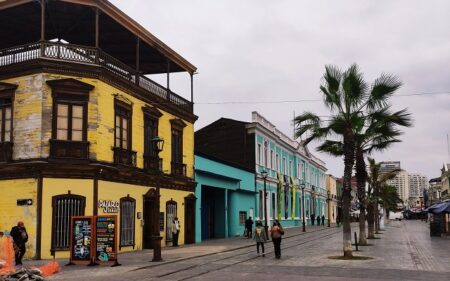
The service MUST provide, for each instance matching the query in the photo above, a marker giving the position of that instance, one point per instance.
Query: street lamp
(264, 176)
(328, 202)
(158, 144)
(303, 207)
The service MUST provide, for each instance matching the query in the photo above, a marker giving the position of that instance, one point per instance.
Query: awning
(440, 208)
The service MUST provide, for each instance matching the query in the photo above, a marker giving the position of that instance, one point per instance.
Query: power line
(308, 100)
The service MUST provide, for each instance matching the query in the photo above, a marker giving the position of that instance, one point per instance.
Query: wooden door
(148, 224)
(189, 211)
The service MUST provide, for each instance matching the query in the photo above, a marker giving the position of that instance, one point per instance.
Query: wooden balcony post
(138, 47)
(97, 28)
(168, 78)
(192, 87)
(42, 28)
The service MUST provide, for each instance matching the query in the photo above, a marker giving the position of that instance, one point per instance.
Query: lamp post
(264, 176)
(303, 208)
(328, 202)
(158, 144)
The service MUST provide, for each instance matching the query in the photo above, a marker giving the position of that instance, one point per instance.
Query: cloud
(261, 50)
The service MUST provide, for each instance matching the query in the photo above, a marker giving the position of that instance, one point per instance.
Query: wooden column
(138, 50)
(94, 205)
(168, 75)
(39, 218)
(97, 28)
(192, 88)
(42, 20)
(42, 27)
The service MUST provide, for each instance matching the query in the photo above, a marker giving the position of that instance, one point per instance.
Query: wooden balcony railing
(91, 56)
(63, 149)
(152, 163)
(6, 150)
(124, 157)
(178, 169)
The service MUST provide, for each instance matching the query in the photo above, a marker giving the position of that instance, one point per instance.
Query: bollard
(356, 241)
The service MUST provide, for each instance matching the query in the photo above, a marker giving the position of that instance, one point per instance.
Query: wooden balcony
(74, 150)
(178, 169)
(30, 53)
(152, 164)
(124, 157)
(6, 150)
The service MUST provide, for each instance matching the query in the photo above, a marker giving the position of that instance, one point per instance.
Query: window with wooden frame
(152, 162)
(69, 122)
(122, 124)
(63, 208)
(6, 123)
(127, 222)
(178, 168)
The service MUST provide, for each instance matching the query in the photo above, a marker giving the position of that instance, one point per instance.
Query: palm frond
(335, 148)
(382, 89)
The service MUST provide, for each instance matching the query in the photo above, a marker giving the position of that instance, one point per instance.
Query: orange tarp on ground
(6, 255)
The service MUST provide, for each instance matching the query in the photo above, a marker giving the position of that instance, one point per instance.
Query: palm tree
(378, 188)
(389, 198)
(350, 102)
(377, 135)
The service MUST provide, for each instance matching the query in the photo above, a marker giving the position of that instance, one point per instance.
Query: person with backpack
(260, 237)
(276, 232)
(20, 237)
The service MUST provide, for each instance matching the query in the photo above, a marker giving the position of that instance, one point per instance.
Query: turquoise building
(225, 198)
(259, 146)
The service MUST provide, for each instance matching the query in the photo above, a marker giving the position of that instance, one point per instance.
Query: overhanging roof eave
(127, 22)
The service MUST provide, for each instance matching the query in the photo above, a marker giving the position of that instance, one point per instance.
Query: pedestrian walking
(276, 232)
(175, 231)
(313, 218)
(249, 227)
(260, 237)
(20, 237)
(318, 220)
(323, 219)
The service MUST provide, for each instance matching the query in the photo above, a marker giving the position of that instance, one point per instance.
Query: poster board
(81, 242)
(105, 239)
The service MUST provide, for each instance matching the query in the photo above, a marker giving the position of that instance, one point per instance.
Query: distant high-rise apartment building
(389, 166)
(401, 183)
(409, 187)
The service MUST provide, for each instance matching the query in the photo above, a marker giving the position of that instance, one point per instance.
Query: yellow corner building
(84, 130)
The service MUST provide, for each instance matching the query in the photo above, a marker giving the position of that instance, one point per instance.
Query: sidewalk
(140, 259)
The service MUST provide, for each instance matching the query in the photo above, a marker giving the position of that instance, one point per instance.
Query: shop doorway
(212, 213)
(150, 207)
(189, 211)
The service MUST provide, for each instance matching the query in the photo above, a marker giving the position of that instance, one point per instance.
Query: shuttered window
(127, 225)
(64, 207)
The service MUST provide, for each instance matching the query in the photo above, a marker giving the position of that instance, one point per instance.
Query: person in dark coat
(318, 220)
(276, 232)
(323, 219)
(313, 218)
(20, 237)
(249, 227)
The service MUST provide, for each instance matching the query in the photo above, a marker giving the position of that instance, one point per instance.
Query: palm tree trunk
(377, 219)
(371, 221)
(349, 159)
(361, 178)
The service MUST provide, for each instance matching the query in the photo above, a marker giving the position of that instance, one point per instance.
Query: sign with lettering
(106, 234)
(81, 239)
(108, 206)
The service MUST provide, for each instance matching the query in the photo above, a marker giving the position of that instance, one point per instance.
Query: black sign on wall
(24, 202)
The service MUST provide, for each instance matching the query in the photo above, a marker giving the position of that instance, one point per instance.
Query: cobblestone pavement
(404, 252)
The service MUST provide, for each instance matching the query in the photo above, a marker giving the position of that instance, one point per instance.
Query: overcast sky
(266, 52)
